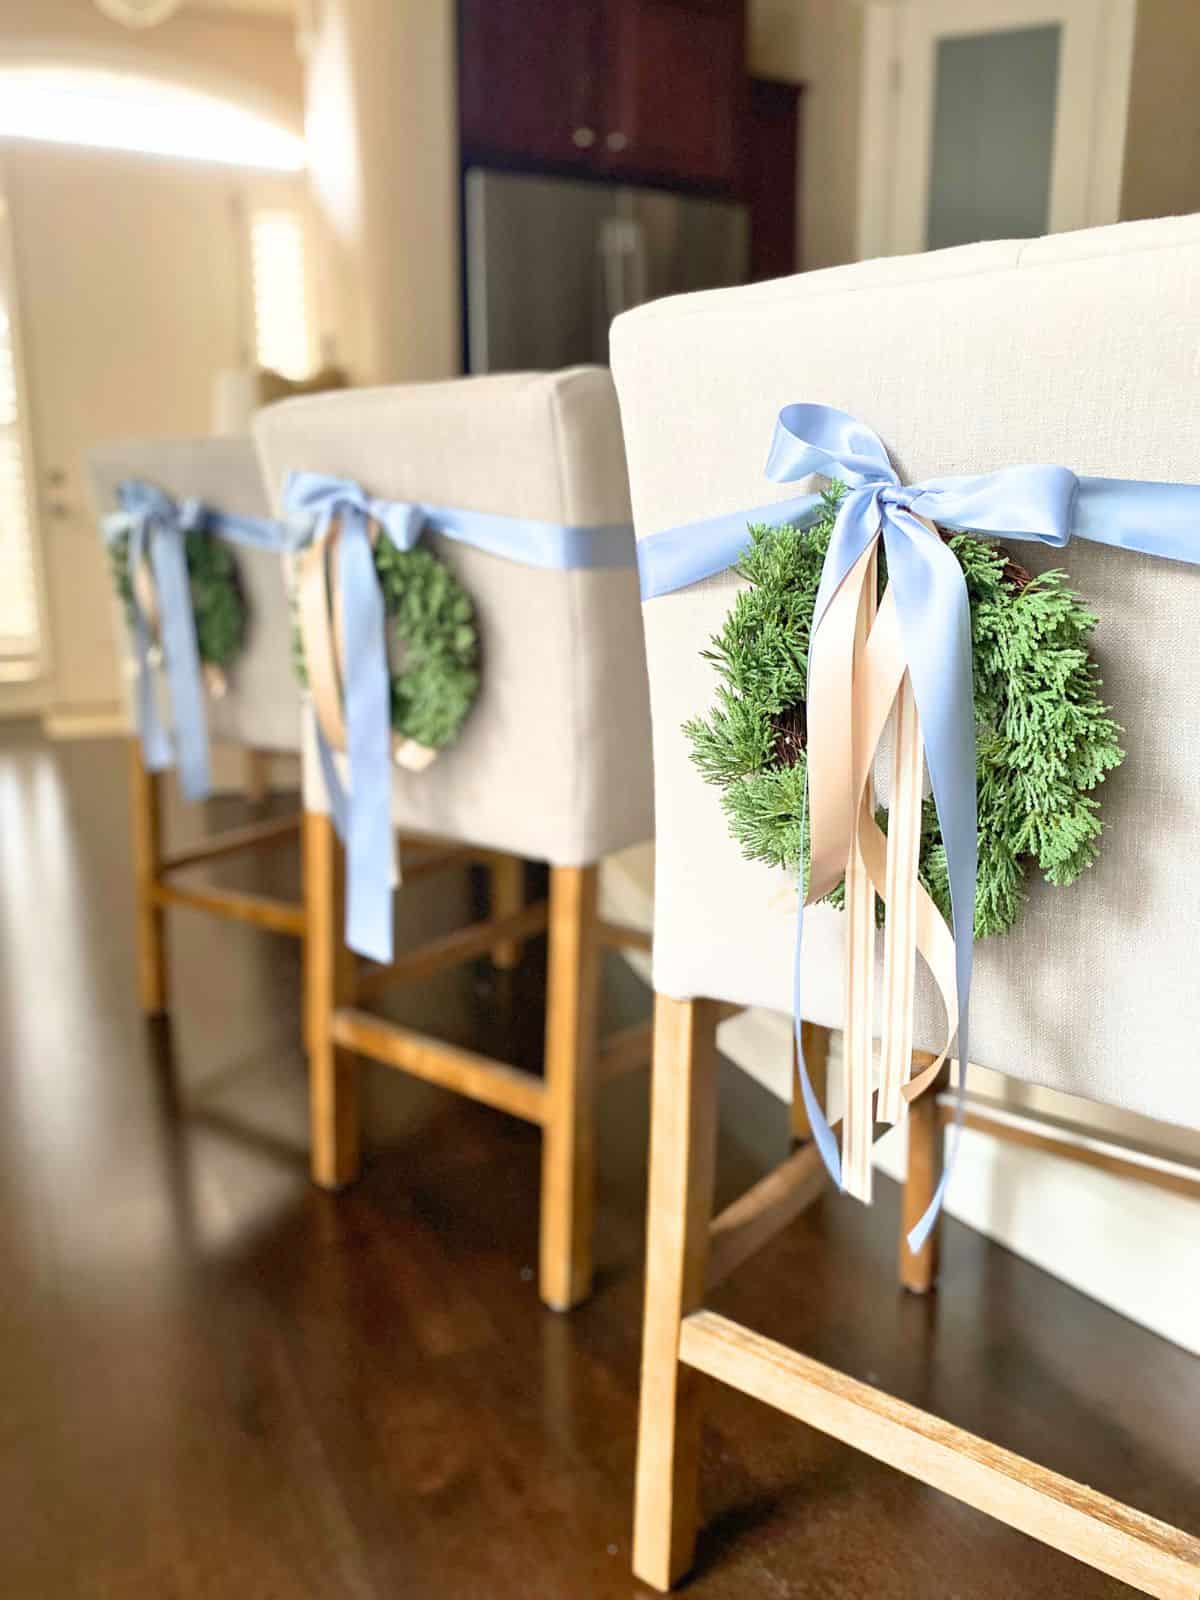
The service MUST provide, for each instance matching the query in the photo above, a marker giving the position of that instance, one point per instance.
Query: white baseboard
(1124, 1243)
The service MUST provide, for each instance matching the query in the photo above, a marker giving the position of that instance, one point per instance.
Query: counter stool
(1065, 350)
(256, 709)
(552, 763)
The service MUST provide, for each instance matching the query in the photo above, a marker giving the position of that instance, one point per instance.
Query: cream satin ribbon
(146, 594)
(320, 617)
(858, 677)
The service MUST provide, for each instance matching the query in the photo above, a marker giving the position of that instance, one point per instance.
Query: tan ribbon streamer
(857, 679)
(319, 614)
(146, 596)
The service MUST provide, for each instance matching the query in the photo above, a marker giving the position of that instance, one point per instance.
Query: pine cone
(791, 734)
(1015, 576)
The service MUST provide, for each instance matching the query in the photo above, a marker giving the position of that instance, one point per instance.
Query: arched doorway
(134, 206)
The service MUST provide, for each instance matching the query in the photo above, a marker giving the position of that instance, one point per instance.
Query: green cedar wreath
(433, 649)
(1044, 738)
(218, 605)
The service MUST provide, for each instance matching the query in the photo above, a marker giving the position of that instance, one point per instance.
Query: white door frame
(896, 123)
(26, 693)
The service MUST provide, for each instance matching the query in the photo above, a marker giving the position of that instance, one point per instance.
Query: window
(20, 642)
(282, 335)
(119, 111)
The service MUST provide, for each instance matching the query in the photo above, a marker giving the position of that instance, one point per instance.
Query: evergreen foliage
(436, 677)
(1044, 738)
(218, 604)
(434, 650)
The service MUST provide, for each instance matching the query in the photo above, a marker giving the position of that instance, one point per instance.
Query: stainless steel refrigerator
(551, 261)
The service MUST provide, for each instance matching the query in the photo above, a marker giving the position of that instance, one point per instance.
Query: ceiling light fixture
(138, 13)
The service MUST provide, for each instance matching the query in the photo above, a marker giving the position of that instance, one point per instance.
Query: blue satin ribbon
(312, 502)
(157, 525)
(1042, 503)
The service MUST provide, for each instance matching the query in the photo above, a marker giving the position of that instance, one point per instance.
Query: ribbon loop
(315, 501)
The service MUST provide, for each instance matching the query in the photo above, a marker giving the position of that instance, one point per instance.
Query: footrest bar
(437, 861)
(255, 836)
(616, 936)
(757, 1216)
(451, 950)
(492, 1083)
(625, 1051)
(1114, 1538)
(1107, 1151)
(260, 910)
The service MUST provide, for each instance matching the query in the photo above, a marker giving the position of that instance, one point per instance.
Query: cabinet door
(529, 78)
(769, 173)
(676, 86)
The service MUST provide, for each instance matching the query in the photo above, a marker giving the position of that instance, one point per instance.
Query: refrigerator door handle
(612, 266)
(639, 270)
(624, 262)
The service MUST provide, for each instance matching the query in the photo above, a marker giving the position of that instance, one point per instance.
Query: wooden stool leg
(256, 776)
(682, 1153)
(816, 1058)
(926, 1137)
(568, 1161)
(332, 1070)
(507, 877)
(145, 804)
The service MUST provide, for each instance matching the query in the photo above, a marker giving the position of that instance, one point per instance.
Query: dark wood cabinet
(530, 76)
(770, 176)
(636, 88)
(676, 85)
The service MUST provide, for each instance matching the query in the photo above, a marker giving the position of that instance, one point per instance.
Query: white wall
(1162, 152)
(381, 120)
(818, 43)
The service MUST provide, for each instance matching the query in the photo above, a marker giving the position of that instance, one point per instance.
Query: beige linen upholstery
(554, 760)
(1079, 350)
(261, 707)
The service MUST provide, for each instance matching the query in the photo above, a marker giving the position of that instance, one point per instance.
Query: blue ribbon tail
(935, 619)
(156, 746)
(368, 733)
(182, 661)
(924, 1227)
(822, 1133)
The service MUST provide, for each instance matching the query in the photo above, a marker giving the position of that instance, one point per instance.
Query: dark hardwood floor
(217, 1382)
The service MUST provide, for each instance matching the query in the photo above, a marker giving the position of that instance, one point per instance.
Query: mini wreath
(1044, 738)
(218, 604)
(433, 651)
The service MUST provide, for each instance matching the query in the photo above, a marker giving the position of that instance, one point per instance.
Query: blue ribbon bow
(363, 818)
(158, 526)
(1043, 503)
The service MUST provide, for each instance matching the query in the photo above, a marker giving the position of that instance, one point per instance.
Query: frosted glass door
(995, 96)
(998, 111)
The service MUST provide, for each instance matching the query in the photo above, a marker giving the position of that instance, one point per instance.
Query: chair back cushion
(261, 706)
(1079, 350)
(553, 761)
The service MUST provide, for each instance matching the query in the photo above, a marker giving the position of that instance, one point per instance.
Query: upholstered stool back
(553, 761)
(261, 706)
(1078, 350)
